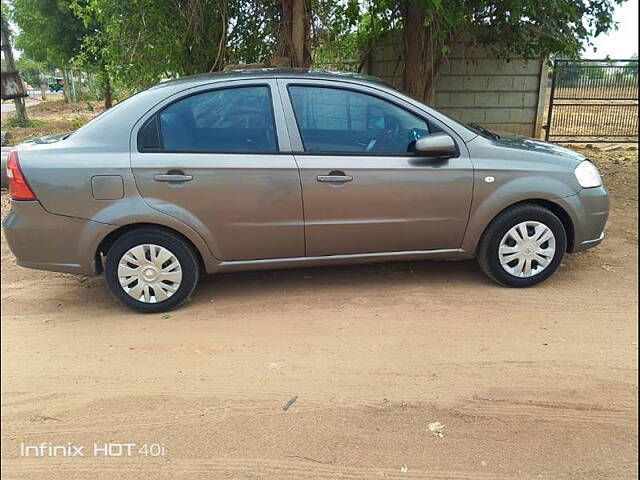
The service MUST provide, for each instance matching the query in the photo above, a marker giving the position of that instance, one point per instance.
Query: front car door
(217, 158)
(364, 191)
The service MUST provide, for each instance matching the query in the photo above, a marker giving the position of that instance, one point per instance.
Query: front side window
(335, 120)
(225, 120)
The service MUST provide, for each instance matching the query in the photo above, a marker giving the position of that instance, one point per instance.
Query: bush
(77, 122)
(15, 122)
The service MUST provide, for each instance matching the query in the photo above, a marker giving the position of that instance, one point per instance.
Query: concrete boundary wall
(475, 86)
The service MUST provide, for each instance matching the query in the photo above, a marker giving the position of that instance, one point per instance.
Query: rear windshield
(106, 113)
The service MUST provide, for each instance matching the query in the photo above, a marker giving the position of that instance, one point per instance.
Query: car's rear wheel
(522, 246)
(151, 270)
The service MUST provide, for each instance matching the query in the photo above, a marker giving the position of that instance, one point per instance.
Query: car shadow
(372, 276)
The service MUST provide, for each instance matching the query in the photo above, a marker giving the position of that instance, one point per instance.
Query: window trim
(156, 117)
(365, 90)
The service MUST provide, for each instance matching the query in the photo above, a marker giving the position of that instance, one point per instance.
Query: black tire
(488, 248)
(181, 249)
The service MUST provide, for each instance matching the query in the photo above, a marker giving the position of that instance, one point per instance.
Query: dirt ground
(538, 383)
(51, 116)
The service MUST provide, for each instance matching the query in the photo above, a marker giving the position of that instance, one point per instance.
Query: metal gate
(593, 101)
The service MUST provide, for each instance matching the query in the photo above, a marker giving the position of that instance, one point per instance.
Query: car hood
(520, 142)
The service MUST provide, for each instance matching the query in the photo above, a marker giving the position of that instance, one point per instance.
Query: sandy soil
(536, 383)
(49, 117)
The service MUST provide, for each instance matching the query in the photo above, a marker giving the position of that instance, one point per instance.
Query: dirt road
(536, 383)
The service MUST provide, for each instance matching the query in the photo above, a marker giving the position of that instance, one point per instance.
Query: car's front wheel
(151, 270)
(522, 246)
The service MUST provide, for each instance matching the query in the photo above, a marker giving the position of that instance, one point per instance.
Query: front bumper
(589, 212)
(46, 241)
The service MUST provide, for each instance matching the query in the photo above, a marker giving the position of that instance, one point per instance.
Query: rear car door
(364, 191)
(217, 158)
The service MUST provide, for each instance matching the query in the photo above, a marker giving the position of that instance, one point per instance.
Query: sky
(621, 43)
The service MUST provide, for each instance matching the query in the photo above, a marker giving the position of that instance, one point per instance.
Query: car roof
(239, 74)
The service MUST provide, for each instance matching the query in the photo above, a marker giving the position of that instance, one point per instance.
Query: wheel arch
(564, 217)
(555, 208)
(111, 237)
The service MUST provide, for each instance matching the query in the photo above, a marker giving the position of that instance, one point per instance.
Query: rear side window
(149, 136)
(226, 120)
(338, 120)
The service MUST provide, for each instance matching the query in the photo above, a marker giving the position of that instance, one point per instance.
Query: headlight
(587, 175)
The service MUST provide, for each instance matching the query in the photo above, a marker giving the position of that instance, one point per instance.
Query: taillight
(18, 187)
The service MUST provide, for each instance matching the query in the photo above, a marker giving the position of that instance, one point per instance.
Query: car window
(337, 120)
(148, 136)
(225, 120)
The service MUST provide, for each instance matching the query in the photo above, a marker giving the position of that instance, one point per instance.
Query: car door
(364, 191)
(217, 159)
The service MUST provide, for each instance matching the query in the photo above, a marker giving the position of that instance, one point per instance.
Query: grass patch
(15, 122)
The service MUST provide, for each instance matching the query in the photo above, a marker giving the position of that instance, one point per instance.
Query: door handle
(172, 177)
(335, 177)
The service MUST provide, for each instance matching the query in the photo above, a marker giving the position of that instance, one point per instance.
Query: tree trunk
(65, 86)
(21, 109)
(413, 37)
(293, 48)
(106, 89)
(422, 53)
(428, 96)
(74, 98)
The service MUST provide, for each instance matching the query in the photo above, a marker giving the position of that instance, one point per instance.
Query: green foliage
(345, 32)
(16, 122)
(131, 44)
(526, 28)
(142, 41)
(49, 31)
(593, 73)
(87, 90)
(529, 28)
(33, 72)
(77, 122)
(251, 32)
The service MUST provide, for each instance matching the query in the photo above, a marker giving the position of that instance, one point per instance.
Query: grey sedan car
(262, 169)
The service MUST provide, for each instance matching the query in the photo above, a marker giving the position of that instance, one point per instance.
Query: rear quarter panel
(60, 173)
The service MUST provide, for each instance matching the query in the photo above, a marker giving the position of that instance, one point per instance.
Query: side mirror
(436, 144)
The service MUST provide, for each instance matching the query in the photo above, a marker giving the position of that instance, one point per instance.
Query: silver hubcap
(527, 249)
(149, 273)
